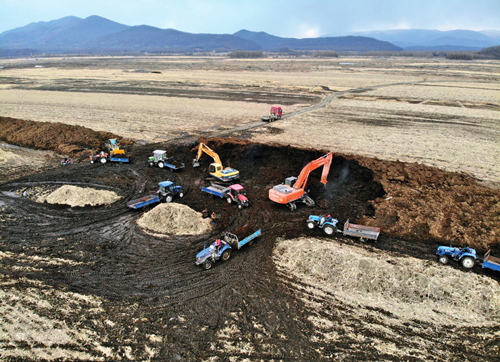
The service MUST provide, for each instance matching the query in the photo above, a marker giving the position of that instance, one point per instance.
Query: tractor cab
(159, 155)
(237, 191)
(166, 187)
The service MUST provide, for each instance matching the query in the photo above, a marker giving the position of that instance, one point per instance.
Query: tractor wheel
(103, 160)
(226, 255)
(151, 164)
(169, 198)
(161, 164)
(207, 264)
(240, 206)
(92, 161)
(443, 259)
(467, 262)
(181, 194)
(328, 230)
(229, 200)
(310, 225)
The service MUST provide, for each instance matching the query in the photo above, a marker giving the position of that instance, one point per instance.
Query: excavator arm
(203, 148)
(324, 161)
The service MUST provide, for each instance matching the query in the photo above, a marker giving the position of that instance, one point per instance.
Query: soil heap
(81, 196)
(175, 219)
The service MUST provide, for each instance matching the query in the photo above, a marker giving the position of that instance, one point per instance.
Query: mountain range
(99, 35)
(430, 40)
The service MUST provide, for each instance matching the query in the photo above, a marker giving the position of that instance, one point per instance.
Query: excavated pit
(150, 285)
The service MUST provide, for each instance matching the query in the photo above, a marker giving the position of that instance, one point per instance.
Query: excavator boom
(289, 195)
(216, 169)
(204, 148)
(324, 161)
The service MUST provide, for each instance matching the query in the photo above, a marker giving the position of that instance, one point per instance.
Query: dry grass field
(360, 302)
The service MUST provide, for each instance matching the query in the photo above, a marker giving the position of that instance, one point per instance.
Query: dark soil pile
(424, 203)
(62, 138)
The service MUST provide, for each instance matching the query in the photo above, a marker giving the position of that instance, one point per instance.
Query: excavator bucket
(196, 163)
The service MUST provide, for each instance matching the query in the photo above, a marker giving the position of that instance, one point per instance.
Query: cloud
(307, 31)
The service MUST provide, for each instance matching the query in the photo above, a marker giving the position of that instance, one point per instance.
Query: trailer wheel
(103, 160)
(328, 230)
(467, 262)
(443, 259)
(226, 255)
(229, 200)
(207, 264)
(161, 164)
(169, 198)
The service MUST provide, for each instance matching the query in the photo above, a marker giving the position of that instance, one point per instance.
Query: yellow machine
(114, 148)
(216, 169)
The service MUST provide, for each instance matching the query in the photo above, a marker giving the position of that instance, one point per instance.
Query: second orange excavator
(290, 195)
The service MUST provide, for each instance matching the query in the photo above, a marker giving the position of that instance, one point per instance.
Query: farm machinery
(160, 159)
(293, 190)
(233, 193)
(115, 154)
(166, 193)
(275, 114)
(221, 249)
(329, 226)
(465, 256)
(216, 169)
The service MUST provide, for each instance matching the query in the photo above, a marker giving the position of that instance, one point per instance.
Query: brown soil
(61, 138)
(159, 304)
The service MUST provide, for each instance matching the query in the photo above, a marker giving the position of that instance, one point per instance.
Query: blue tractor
(327, 223)
(466, 256)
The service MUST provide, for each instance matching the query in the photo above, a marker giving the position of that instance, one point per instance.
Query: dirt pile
(80, 196)
(408, 287)
(61, 138)
(175, 219)
(425, 203)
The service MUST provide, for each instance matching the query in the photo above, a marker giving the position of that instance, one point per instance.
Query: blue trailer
(234, 193)
(161, 160)
(166, 192)
(221, 249)
(491, 262)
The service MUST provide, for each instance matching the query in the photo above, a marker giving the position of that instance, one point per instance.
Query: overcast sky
(286, 18)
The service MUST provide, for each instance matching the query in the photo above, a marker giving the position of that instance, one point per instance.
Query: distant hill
(344, 43)
(99, 35)
(412, 39)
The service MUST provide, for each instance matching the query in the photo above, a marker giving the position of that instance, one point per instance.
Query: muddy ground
(152, 302)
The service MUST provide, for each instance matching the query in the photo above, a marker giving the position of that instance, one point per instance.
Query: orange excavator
(289, 195)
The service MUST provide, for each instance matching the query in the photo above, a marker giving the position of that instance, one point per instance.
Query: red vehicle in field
(276, 113)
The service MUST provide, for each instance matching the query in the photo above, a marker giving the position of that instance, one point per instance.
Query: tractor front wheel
(181, 194)
(443, 259)
(226, 255)
(328, 230)
(468, 262)
(229, 200)
(310, 225)
(207, 264)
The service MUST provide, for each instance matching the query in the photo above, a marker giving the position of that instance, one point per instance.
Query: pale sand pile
(176, 219)
(80, 196)
(404, 286)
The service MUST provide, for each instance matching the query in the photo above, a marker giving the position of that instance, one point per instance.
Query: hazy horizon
(293, 18)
